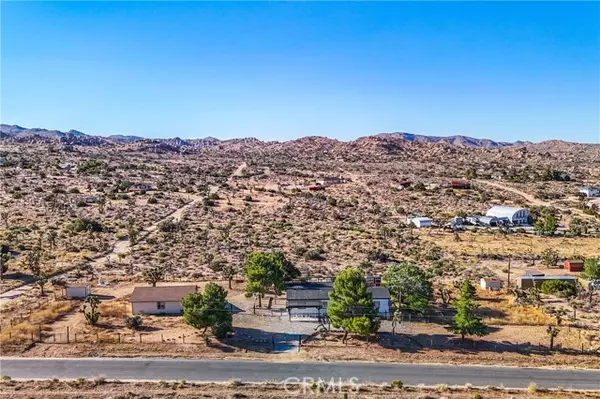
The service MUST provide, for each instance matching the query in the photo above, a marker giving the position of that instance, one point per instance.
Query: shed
(421, 222)
(159, 300)
(77, 291)
(573, 265)
(515, 215)
(525, 282)
(490, 284)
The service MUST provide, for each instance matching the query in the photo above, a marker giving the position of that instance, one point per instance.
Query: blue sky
(277, 71)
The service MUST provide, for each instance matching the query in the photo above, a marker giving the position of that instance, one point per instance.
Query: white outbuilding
(421, 222)
(77, 291)
(515, 215)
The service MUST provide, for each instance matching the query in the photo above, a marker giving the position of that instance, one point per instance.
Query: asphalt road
(256, 371)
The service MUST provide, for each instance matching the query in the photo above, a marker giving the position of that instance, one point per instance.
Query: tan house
(159, 300)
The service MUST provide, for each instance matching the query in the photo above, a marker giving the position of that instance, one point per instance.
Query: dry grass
(476, 243)
(113, 309)
(493, 304)
(45, 315)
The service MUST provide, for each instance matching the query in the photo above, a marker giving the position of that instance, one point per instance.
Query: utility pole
(508, 283)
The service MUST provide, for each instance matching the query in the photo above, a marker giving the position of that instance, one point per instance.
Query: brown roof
(174, 293)
(574, 261)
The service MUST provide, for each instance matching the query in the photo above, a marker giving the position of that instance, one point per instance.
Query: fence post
(183, 338)
(67, 335)
(119, 335)
(162, 339)
(140, 338)
(39, 333)
(54, 337)
(97, 338)
(75, 337)
(32, 341)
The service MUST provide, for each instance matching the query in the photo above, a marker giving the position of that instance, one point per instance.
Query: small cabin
(490, 284)
(573, 265)
(77, 291)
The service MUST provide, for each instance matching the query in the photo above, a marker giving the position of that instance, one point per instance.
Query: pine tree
(209, 309)
(268, 269)
(351, 305)
(465, 321)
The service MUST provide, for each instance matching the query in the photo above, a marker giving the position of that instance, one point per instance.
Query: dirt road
(530, 198)
(119, 247)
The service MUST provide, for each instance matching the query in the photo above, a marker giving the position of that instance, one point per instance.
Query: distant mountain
(461, 141)
(383, 142)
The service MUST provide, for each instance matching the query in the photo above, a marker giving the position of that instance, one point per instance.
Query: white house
(159, 300)
(490, 284)
(590, 191)
(514, 215)
(77, 291)
(310, 300)
(421, 222)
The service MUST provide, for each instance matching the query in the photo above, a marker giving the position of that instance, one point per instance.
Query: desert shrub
(81, 204)
(133, 322)
(397, 384)
(74, 190)
(248, 198)
(84, 224)
(476, 395)
(152, 200)
(558, 287)
(313, 254)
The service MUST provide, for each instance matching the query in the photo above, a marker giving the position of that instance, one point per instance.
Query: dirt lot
(235, 390)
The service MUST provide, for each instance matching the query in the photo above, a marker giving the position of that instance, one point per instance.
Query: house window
(160, 305)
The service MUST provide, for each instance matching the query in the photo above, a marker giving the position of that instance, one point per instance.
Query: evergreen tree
(410, 285)
(465, 321)
(265, 270)
(591, 269)
(546, 224)
(209, 309)
(351, 305)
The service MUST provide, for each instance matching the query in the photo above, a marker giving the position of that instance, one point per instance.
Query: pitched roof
(322, 294)
(174, 293)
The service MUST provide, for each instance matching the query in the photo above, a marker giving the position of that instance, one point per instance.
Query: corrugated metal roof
(322, 294)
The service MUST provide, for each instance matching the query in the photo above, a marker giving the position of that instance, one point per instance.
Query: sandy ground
(236, 390)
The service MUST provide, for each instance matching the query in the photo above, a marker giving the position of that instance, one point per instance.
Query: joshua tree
(552, 333)
(90, 309)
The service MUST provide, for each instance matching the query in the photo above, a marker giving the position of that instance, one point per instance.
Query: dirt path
(530, 198)
(119, 247)
(240, 169)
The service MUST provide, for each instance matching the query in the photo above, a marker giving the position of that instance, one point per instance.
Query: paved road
(255, 371)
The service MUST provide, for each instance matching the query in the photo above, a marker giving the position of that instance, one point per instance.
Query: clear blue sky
(508, 71)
